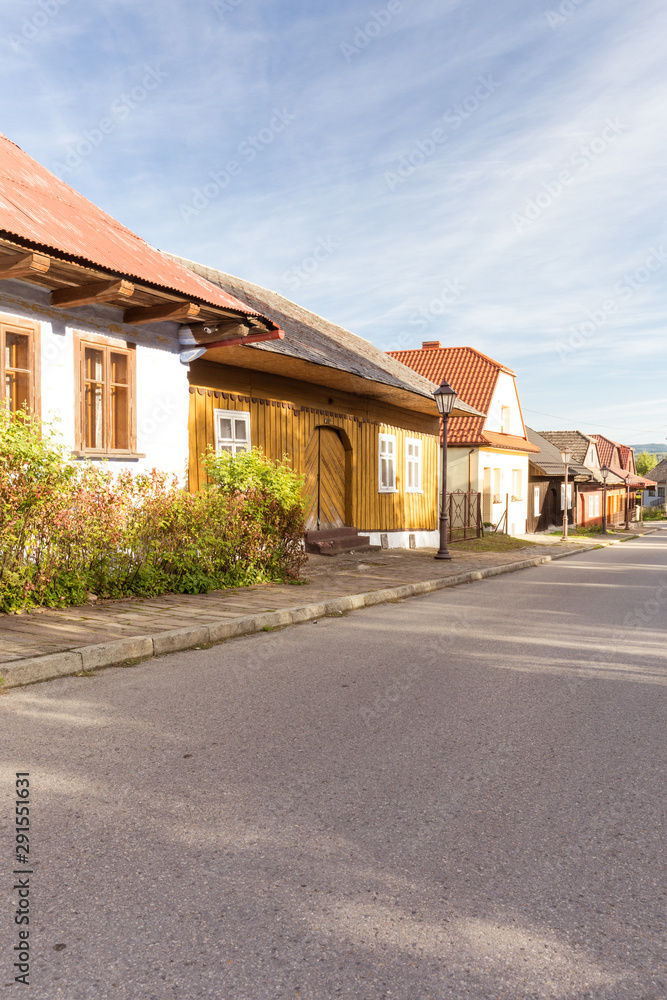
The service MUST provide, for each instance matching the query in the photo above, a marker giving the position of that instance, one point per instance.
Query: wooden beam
(23, 266)
(252, 338)
(98, 291)
(155, 314)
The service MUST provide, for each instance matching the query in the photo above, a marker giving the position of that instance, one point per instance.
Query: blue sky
(479, 174)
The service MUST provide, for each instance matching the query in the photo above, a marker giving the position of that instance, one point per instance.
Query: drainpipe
(470, 454)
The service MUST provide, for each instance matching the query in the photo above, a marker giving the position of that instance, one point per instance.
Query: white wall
(505, 395)
(162, 386)
(505, 463)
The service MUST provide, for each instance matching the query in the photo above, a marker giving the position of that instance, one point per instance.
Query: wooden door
(325, 480)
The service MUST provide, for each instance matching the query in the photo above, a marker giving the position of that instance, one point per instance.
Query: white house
(90, 317)
(487, 454)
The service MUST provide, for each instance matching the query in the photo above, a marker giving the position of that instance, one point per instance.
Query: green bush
(70, 528)
(653, 513)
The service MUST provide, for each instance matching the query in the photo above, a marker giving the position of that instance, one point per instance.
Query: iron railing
(464, 513)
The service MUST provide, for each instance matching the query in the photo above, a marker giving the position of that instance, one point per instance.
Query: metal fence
(464, 513)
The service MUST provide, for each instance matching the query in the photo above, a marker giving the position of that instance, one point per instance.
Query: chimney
(430, 345)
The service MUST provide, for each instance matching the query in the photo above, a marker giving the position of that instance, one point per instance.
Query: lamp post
(605, 470)
(445, 398)
(627, 503)
(566, 458)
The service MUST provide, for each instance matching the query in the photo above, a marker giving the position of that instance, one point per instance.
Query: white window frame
(505, 419)
(536, 501)
(223, 442)
(390, 458)
(569, 496)
(517, 479)
(414, 461)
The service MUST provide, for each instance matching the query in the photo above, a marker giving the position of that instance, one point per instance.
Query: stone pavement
(56, 630)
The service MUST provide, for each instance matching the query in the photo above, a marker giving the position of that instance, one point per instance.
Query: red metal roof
(39, 209)
(473, 376)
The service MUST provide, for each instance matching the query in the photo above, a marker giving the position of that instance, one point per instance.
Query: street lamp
(445, 398)
(566, 458)
(605, 470)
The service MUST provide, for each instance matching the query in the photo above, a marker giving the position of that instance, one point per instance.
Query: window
(387, 463)
(17, 366)
(562, 495)
(232, 431)
(106, 392)
(516, 484)
(536, 501)
(497, 486)
(504, 419)
(413, 465)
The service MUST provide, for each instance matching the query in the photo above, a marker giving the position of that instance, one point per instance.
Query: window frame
(562, 496)
(233, 415)
(109, 346)
(11, 324)
(382, 437)
(537, 506)
(505, 419)
(416, 461)
(518, 496)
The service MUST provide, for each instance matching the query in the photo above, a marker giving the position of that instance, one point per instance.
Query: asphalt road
(458, 796)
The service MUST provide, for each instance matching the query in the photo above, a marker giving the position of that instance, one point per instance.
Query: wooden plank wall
(284, 426)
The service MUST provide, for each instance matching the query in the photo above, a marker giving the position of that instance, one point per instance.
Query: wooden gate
(325, 480)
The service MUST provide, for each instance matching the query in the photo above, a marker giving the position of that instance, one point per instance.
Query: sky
(481, 174)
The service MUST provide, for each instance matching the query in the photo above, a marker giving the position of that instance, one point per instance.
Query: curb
(137, 648)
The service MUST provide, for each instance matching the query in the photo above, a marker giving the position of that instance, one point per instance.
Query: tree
(645, 462)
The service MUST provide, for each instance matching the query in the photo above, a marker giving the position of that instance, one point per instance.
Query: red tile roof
(39, 210)
(473, 376)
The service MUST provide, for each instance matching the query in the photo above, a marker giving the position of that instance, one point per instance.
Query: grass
(490, 543)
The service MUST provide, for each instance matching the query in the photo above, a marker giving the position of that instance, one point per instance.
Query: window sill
(113, 456)
(408, 490)
(387, 491)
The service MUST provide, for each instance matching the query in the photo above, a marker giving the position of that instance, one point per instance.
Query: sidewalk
(53, 642)
(614, 535)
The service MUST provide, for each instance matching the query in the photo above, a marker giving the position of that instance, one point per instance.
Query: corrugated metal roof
(40, 210)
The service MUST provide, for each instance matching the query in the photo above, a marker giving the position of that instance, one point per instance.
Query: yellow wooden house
(361, 427)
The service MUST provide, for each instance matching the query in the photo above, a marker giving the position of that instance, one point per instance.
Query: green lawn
(490, 543)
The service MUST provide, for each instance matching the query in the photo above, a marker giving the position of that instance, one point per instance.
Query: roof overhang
(239, 355)
(74, 283)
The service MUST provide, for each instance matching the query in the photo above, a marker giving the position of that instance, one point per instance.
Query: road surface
(458, 796)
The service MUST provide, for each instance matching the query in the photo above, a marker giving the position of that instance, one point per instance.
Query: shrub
(69, 528)
(653, 513)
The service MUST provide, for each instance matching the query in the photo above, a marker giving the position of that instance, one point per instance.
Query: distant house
(595, 452)
(359, 425)
(547, 500)
(487, 453)
(655, 495)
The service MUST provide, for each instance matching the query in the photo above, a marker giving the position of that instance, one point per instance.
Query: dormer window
(504, 419)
